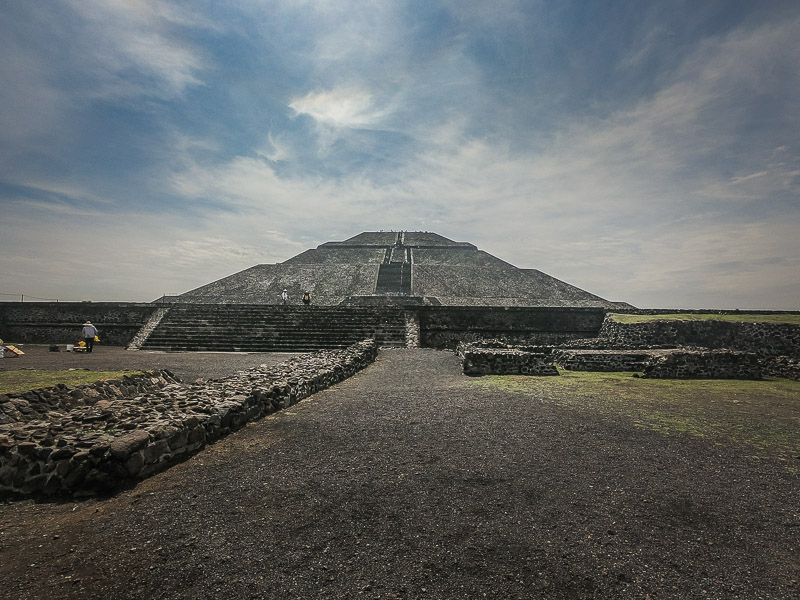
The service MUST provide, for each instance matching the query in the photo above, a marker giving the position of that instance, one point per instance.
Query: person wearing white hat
(89, 333)
(284, 296)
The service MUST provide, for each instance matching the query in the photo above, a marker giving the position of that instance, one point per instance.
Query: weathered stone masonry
(604, 360)
(765, 339)
(697, 364)
(492, 359)
(95, 447)
(60, 322)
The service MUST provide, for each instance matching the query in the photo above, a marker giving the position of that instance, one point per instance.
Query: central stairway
(273, 328)
(394, 278)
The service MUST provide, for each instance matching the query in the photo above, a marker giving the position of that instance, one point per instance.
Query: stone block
(124, 446)
(694, 364)
(134, 464)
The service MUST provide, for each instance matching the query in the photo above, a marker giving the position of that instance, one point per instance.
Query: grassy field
(738, 318)
(23, 380)
(762, 416)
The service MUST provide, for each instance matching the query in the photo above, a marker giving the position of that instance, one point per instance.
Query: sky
(647, 152)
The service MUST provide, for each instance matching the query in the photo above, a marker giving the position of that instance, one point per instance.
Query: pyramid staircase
(394, 274)
(394, 278)
(271, 328)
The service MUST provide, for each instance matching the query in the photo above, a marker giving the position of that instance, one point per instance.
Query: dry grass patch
(761, 416)
(25, 380)
(791, 319)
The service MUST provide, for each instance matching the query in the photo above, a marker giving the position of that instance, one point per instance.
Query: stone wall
(482, 360)
(446, 326)
(97, 447)
(764, 339)
(493, 357)
(697, 364)
(61, 322)
(782, 366)
(604, 360)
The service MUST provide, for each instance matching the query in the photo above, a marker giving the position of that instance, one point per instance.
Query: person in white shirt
(284, 296)
(89, 332)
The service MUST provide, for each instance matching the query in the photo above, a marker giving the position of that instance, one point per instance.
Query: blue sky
(644, 151)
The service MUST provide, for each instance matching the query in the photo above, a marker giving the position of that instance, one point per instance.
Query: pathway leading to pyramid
(410, 480)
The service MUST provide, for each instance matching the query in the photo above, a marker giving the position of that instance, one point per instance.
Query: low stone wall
(764, 339)
(96, 448)
(696, 364)
(605, 360)
(783, 366)
(479, 360)
(494, 357)
(41, 404)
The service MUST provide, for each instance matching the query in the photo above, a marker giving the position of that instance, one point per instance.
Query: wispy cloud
(339, 108)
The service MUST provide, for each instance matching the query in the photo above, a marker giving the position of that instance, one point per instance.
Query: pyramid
(395, 268)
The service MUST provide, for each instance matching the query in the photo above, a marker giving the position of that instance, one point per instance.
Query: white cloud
(339, 108)
(743, 178)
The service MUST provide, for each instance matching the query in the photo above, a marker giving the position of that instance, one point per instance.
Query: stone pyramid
(395, 268)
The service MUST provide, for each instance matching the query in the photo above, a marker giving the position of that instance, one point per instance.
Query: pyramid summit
(408, 267)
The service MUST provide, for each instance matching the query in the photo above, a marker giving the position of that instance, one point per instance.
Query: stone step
(242, 347)
(205, 339)
(309, 324)
(276, 309)
(282, 319)
(273, 328)
(297, 331)
(183, 326)
(394, 278)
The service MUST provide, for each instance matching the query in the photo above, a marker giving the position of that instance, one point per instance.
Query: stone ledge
(711, 364)
(606, 360)
(85, 451)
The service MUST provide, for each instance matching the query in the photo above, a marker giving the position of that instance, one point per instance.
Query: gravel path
(407, 481)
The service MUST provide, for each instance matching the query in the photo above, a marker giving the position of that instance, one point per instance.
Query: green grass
(763, 417)
(24, 380)
(738, 318)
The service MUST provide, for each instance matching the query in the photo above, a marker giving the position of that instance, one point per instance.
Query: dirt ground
(186, 365)
(411, 480)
